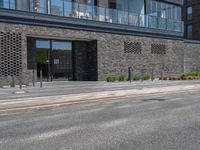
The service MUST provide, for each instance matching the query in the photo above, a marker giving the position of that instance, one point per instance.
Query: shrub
(111, 78)
(146, 76)
(27, 84)
(136, 77)
(12, 84)
(183, 77)
(173, 78)
(122, 78)
(165, 78)
(190, 74)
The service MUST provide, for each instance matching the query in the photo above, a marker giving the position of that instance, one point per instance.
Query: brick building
(91, 39)
(191, 17)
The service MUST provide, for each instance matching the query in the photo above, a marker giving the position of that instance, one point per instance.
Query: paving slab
(107, 91)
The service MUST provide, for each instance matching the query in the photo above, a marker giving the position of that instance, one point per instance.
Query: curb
(89, 100)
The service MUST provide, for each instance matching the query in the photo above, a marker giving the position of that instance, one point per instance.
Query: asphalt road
(170, 122)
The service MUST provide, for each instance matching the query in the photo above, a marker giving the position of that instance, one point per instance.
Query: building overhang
(177, 2)
(37, 19)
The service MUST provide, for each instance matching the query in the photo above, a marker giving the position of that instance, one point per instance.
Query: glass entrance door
(43, 58)
(61, 60)
(54, 58)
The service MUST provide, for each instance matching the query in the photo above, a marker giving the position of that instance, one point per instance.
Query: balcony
(113, 17)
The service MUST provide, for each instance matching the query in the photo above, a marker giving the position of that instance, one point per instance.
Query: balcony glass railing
(91, 12)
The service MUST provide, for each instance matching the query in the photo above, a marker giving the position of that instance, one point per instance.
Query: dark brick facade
(99, 54)
(85, 60)
(195, 20)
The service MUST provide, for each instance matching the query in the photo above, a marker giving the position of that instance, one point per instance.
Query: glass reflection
(159, 15)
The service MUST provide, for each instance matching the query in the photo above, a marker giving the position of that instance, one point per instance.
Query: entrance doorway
(54, 58)
(62, 59)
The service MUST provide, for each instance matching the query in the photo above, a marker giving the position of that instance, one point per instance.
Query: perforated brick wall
(158, 49)
(10, 54)
(133, 47)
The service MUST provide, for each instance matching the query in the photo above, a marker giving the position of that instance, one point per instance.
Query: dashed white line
(114, 123)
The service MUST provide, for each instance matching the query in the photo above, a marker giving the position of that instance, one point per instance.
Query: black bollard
(142, 75)
(13, 81)
(33, 77)
(20, 80)
(161, 75)
(129, 74)
(41, 78)
(152, 75)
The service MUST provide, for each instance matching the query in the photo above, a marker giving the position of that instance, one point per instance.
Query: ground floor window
(54, 58)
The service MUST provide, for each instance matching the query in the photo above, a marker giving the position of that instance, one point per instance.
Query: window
(22, 5)
(189, 31)
(57, 7)
(39, 6)
(10, 4)
(163, 10)
(189, 13)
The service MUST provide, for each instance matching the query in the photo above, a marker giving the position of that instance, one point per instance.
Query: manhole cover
(153, 99)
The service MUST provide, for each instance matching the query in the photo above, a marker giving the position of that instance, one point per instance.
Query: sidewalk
(13, 99)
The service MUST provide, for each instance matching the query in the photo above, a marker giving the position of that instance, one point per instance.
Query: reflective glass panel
(57, 7)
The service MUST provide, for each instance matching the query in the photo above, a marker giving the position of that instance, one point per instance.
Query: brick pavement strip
(61, 100)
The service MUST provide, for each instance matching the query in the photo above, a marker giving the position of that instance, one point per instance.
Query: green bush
(136, 77)
(190, 74)
(122, 78)
(111, 78)
(12, 84)
(146, 77)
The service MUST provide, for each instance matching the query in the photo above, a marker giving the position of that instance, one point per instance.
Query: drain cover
(153, 99)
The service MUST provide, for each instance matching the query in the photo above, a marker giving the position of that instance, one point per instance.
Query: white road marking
(41, 136)
(125, 106)
(51, 134)
(9, 122)
(114, 123)
(178, 98)
(90, 110)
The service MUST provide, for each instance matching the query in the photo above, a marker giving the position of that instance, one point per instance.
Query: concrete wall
(111, 57)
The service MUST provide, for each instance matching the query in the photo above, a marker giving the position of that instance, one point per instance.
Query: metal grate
(10, 54)
(133, 47)
(158, 49)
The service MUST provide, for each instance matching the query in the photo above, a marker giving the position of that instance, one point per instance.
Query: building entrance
(62, 60)
(54, 58)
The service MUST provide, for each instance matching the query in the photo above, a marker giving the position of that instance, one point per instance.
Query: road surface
(170, 122)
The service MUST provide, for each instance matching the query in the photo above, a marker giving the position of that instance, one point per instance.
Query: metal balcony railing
(95, 13)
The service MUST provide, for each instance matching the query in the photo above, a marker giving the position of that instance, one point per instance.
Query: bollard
(33, 79)
(142, 75)
(132, 74)
(161, 75)
(13, 81)
(129, 74)
(20, 80)
(41, 78)
(152, 75)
